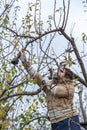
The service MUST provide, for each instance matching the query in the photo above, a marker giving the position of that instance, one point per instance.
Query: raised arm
(43, 84)
(59, 89)
(30, 70)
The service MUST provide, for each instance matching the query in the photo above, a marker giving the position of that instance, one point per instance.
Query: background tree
(48, 44)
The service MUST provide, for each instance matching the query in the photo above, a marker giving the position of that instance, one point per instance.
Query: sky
(77, 16)
(77, 19)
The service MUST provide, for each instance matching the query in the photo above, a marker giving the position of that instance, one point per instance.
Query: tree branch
(46, 117)
(21, 94)
(76, 53)
(80, 79)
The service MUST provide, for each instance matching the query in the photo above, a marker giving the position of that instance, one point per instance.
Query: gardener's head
(65, 73)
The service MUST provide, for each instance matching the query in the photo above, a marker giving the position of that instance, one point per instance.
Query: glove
(15, 61)
(20, 55)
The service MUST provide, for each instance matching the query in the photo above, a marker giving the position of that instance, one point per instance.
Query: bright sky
(77, 15)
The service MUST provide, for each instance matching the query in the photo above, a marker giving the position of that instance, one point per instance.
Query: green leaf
(30, 8)
(58, 9)
(29, 27)
(6, 20)
(40, 100)
(15, 43)
(34, 81)
(50, 16)
(35, 62)
(36, 103)
(8, 78)
(19, 90)
(27, 100)
(84, 37)
(0, 19)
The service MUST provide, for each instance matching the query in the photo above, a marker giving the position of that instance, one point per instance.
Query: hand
(22, 50)
(15, 61)
(20, 55)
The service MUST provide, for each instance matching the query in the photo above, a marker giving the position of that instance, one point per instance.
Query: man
(59, 97)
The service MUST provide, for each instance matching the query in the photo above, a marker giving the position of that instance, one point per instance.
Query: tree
(22, 103)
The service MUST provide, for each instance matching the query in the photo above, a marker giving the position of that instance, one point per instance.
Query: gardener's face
(61, 73)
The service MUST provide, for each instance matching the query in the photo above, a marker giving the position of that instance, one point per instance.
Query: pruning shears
(15, 60)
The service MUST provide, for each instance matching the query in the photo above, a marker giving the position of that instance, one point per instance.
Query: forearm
(31, 71)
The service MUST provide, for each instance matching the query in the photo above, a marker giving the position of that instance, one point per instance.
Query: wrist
(31, 72)
(22, 57)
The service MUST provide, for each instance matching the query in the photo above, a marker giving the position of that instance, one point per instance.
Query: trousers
(71, 123)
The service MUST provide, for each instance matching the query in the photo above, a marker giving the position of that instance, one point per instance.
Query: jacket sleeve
(33, 74)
